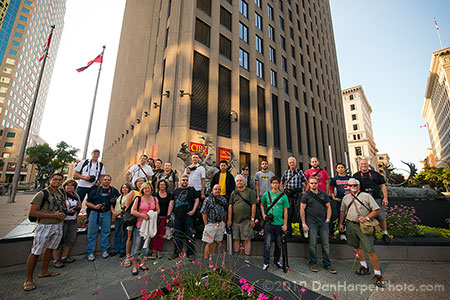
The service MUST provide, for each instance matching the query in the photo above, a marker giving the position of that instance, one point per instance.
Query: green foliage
(396, 178)
(436, 178)
(433, 232)
(43, 155)
(447, 220)
(402, 220)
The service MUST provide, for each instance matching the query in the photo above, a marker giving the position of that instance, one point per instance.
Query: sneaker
(313, 268)
(279, 265)
(246, 261)
(379, 281)
(265, 267)
(58, 264)
(343, 237)
(191, 257)
(105, 254)
(91, 257)
(363, 271)
(331, 270)
(386, 238)
(113, 253)
(174, 256)
(68, 260)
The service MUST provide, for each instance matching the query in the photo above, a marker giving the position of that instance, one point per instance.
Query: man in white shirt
(89, 172)
(197, 176)
(140, 170)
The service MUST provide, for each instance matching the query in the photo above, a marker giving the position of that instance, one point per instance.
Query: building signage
(197, 147)
(223, 154)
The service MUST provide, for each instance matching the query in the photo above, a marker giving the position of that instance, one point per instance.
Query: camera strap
(142, 169)
(272, 204)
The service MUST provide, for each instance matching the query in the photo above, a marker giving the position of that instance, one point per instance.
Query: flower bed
(402, 221)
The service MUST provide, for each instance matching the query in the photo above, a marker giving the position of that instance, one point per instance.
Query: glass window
(243, 32)
(20, 26)
(353, 117)
(273, 78)
(259, 44)
(258, 21)
(284, 63)
(23, 18)
(258, 3)
(352, 107)
(15, 43)
(18, 35)
(259, 69)
(285, 86)
(243, 58)
(351, 97)
(283, 42)
(358, 151)
(8, 145)
(281, 23)
(355, 126)
(12, 52)
(28, 2)
(280, 4)
(11, 134)
(271, 33)
(243, 8)
(204, 5)
(270, 11)
(202, 31)
(272, 55)
(225, 46)
(25, 10)
(225, 18)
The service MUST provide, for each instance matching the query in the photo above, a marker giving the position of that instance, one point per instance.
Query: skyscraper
(23, 35)
(436, 109)
(260, 77)
(361, 142)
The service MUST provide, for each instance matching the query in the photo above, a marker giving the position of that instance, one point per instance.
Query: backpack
(44, 199)
(86, 162)
(127, 218)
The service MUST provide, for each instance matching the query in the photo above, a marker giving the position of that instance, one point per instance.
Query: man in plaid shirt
(292, 184)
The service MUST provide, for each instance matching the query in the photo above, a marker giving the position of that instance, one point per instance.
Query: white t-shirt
(196, 176)
(91, 169)
(138, 171)
(70, 203)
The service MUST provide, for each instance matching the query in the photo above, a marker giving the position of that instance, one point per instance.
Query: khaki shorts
(47, 236)
(213, 232)
(357, 239)
(242, 231)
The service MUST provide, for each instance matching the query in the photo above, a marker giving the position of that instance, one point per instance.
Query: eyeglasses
(353, 185)
(313, 183)
(244, 169)
(184, 179)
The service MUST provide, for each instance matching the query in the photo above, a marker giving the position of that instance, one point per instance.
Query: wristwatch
(367, 218)
(253, 219)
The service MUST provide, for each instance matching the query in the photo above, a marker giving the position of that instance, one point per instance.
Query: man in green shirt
(47, 206)
(241, 213)
(273, 228)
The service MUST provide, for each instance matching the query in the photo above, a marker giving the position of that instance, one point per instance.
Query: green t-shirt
(278, 209)
(56, 202)
(241, 210)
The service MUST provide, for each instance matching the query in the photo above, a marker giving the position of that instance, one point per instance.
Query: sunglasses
(313, 183)
(244, 169)
(352, 185)
(184, 179)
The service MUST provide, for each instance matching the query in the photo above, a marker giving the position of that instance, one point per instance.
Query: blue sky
(386, 47)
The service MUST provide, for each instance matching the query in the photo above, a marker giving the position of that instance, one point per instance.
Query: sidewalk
(12, 214)
(83, 276)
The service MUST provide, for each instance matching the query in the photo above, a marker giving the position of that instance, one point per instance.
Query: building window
(262, 136)
(21, 26)
(351, 97)
(23, 19)
(25, 10)
(276, 122)
(224, 103)
(259, 44)
(200, 88)
(202, 31)
(243, 8)
(287, 117)
(243, 32)
(8, 145)
(293, 52)
(270, 12)
(243, 58)
(280, 4)
(272, 55)
(18, 35)
(244, 108)
(258, 21)
(353, 117)
(225, 18)
(204, 5)
(258, 3)
(355, 126)
(281, 23)
(296, 92)
(225, 47)
(294, 71)
(286, 86)
(273, 78)
(271, 33)
(358, 151)
(12, 52)
(6, 155)
(284, 63)
(11, 134)
(259, 69)
(352, 107)
(283, 42)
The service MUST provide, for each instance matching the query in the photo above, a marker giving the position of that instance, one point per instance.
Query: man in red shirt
(320, 174)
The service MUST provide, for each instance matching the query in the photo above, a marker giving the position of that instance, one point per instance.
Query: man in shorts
(359, 207)
(47, 206)
(214, 212)
(241, 213)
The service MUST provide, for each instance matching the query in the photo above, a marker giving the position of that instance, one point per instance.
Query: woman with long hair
(120, 234)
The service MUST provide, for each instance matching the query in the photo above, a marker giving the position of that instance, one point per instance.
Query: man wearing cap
(359, 207)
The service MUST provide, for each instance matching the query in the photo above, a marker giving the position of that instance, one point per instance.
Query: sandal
(135, 272)
(363, 271)
(143, 267)
(127, 262)
(28, 286)
(49, 274)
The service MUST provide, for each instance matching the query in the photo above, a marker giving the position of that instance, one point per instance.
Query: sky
(383, 45)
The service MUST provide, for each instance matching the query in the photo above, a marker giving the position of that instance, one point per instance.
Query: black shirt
(316, 210)
(163, 203)
(184, 201)
(100, 195)
(370, 183)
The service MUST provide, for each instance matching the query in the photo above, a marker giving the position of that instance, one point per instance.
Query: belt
(357, 223)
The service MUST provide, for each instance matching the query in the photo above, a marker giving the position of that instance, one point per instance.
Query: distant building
(383, 159)
(429, 160)
(436, 109)
(358, 122)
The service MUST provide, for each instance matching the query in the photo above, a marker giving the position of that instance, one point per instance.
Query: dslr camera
(92, 178)
(270, 218)
(68, 212)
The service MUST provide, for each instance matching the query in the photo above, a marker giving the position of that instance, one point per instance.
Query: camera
(102, 207)
(169, 222)
(68, 212)
(77, 209)
(270, 218)
(92, 178)
(193, 168)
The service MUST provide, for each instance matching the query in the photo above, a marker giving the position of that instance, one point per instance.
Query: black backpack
(86, 162)
(44, 199)
(127, 218)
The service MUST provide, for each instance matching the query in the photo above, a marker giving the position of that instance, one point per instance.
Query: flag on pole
(98, 59)
(435, 23)
(47, 45)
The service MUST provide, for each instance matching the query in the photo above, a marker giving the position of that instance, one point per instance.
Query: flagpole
(28, 126)
(439, 34)
(92, 109)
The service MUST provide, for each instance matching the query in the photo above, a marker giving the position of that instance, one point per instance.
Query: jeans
(323, 230)
(104, 221)
(183, 232)
(83, 191)
(137, 240)
(272, 232)
(120, 236)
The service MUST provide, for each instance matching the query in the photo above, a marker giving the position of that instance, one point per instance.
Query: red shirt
(322, 177)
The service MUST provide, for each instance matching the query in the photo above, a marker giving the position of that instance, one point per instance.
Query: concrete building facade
(436, 109)
(383, 159)
(260, 77)
(361, 142)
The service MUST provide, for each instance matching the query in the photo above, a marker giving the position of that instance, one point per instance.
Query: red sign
(224, 154)
(155, 151)
(197, 147)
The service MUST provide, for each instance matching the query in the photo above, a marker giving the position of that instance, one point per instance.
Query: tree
(40, 155)
(63, 155)
(396, 178)
(436, 178)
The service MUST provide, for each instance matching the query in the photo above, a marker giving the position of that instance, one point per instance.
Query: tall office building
(436, 109)
(361, 143)
(23, 35)
(260, 77)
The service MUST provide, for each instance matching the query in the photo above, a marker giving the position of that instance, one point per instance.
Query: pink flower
(180, 297)
(262, 297)
(242, 281)
(194, 262)
(284, 283)
(211, 265)
(206, 283)
(335, 296)
(302, 290)
(241, 248)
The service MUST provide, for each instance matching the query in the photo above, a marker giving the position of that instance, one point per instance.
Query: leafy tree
(436, 178)
(63, 155)
(396, 178)
(40, 155)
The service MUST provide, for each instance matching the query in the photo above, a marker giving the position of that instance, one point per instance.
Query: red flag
(422, 126)
(98, 59)
(435, 23)
(47, 45)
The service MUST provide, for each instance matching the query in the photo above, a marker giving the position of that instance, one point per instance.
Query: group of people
(155, 203)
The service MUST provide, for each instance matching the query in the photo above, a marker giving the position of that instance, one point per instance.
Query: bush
(433, 232)
(402, 220)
